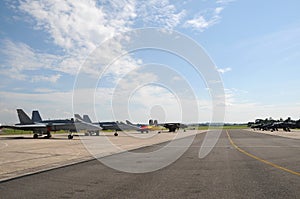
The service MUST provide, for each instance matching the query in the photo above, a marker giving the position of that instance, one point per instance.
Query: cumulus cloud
(76, 28)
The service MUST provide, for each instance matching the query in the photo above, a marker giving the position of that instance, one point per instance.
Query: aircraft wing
(81, 125)
(173, 126)
(27, 127)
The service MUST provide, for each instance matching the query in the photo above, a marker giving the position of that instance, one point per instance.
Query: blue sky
(254, 44)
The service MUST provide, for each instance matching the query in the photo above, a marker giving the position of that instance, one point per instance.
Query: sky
(47, 49)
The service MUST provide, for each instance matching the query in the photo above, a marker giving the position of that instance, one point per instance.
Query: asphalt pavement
(244, 165)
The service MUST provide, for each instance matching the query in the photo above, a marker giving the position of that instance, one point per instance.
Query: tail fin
(87, 119)
(150, 122)
(36, 117)
(78, 117)
(23, 117)
(128, 122)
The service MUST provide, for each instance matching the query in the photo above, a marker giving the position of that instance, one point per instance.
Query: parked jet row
(120, 126)
(274, 125)
(41, 127)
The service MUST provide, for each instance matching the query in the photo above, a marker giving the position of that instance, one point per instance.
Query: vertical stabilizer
(36, 117)
(87, 119)
(23, 117)
(128, 122)
(78, 117)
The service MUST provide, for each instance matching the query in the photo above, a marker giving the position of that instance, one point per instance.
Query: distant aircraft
(274, 125)
(119, 126)
(153, 123)
(141, 127)
(115, 126)
(86, 124)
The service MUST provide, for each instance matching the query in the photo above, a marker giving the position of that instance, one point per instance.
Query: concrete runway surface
(23, 155)
(243, 164)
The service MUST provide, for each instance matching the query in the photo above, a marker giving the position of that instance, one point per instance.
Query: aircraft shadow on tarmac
(30, 138)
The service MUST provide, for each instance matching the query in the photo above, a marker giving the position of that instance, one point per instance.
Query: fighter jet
(115, 126)
(44, 127)
(141, 127)
(273, 125)
(64, 124)
(39, 128)
(86, 124)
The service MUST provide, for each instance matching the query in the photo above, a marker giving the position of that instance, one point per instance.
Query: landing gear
(35, 136)
(70, 136)
(48, 135)
(116, 134)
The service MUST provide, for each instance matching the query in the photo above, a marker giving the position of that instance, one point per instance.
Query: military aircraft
(142, 127)
(64, 124)
(44, 127)
(27, 124)
(274, 125)
(86, 124)
(120, 126)
(115, 126)
(153, 123)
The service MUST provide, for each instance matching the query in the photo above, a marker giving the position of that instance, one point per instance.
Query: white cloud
(218, 10)
(77, 28)
(224, 1)
(44, 90)
(56, 104)
(51, 78)
(224, 70)
(239, 109)
(19, 57)
(205, 19)
(160, 13)
(73, 25)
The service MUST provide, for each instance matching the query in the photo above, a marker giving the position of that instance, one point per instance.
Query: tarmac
(22, 155)
(242, 164)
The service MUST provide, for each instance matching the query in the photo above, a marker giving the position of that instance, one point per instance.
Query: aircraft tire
(35, 136)
(48, 135)
(116, 134)
(70, 137)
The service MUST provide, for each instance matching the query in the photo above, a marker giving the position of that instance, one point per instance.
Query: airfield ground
(22, 155)
(242, 164)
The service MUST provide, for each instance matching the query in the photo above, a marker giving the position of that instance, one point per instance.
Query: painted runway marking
(259, 159)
